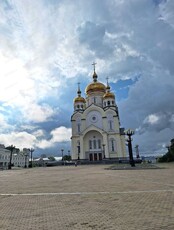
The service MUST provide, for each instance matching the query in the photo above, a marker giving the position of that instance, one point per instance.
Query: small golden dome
(108, 95)
(79, 99)
(95, 87)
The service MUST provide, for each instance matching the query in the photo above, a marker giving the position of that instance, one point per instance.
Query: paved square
(87, 197)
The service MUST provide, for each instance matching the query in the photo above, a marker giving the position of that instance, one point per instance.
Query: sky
(47, 47)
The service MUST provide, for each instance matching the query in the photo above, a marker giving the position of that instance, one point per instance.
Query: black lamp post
(103, 151)
(68, 152)
(31, 151)
(78, 151)
(137, 151)
(11, 148)
(25, 166)
(62, 154)
(129, 133)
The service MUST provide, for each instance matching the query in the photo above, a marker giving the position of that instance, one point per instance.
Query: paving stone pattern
(87, 197)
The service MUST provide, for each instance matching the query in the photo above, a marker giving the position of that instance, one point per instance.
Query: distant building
(96, 132)
(44, 161)
(19, 158)
(4, 157)
(41, 161)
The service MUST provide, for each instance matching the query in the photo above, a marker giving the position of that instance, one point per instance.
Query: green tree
(169, 156)
(67, 158)
(51, 158)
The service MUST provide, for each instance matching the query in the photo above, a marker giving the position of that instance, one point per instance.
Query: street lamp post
(68, 152)
(129, 133)
(137, 151)
(78, 151)
(31, 151)
(62, 154)
(103, 151)
(11, 148)
(25, 166)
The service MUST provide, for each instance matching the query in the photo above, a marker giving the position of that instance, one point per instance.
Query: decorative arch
(93, 140)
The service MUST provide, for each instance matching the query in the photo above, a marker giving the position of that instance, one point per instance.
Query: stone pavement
(87, 197)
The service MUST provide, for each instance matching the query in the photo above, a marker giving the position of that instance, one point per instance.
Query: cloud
(39, 133)
(61, 134)
(4, 123)
(152, 119)
(48, 46)
(36, 139)
(38, 113)
(166, 10)
(94, 37)
(157, 122)
(19, 139)
(58, 135)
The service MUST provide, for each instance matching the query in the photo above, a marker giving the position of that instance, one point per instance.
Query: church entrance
(95, 156)
(93, 145)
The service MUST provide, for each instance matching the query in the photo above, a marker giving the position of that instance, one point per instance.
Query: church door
(100, 156)
(95, 156)
(90, 157)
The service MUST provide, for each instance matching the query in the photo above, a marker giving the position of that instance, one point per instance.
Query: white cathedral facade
(96, 132)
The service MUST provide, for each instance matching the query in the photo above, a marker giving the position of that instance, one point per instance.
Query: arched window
(110, 124)
(90, 144)
(78, 124)
(78, 127)
(99, 144)
(110, 121)
(112, 145)
(94, 144)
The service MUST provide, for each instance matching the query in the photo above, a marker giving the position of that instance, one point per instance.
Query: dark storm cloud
(93, 36)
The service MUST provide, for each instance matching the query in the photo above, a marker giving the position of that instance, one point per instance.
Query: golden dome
(95, 87)
(79, 99)
(109, 95)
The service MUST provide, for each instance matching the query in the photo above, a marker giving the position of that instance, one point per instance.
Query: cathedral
(96, 132)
